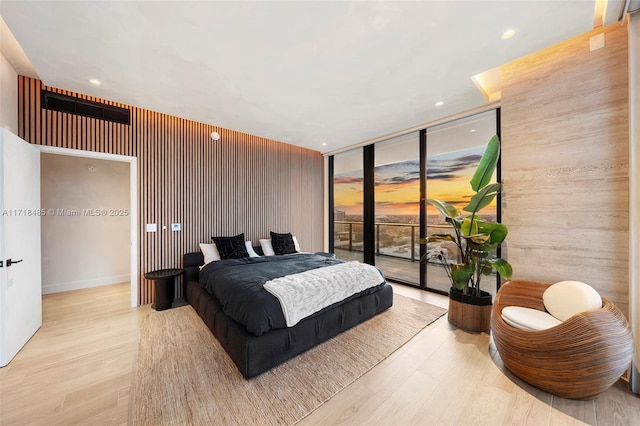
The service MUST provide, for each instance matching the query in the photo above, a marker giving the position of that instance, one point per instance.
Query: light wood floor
(78, 368)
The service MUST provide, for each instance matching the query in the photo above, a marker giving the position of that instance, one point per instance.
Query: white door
(20, 283)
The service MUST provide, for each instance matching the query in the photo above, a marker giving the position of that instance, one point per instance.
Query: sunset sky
(398, 185)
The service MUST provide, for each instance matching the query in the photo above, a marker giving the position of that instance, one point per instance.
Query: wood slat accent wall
(241, 183)
(565, 167)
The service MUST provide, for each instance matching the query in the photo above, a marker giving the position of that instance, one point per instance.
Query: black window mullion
(331, 229)
(368, 231)
(499, 180)
(423, 205)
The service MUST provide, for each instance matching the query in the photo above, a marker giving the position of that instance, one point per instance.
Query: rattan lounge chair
(578, 359)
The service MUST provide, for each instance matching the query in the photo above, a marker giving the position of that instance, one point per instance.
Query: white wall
(8, 96)
(82, 249)
(634, 191)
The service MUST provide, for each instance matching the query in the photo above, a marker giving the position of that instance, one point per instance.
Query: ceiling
(304, 73)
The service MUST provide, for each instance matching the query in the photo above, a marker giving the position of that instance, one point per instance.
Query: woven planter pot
(470, 313)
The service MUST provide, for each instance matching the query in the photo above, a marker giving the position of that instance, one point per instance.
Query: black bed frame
(256, 354)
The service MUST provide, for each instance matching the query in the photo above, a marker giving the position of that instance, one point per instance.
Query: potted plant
(476, 241)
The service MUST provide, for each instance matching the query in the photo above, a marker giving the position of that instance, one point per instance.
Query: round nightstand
(164, 286)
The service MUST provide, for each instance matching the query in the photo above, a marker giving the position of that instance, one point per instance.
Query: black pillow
(231, 247)
(282, 243)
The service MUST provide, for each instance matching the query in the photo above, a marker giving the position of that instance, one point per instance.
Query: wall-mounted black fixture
(73, 105)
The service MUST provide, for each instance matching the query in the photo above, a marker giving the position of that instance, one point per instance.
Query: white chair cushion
(564, 299)
(528, 319)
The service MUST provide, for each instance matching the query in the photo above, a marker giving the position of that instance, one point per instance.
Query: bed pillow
(250, 250)
(567, 298)
(282, 243)
(266, 246)
(210, 252)
(231, 247)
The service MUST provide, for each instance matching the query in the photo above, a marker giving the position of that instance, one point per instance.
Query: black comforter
(238, 286)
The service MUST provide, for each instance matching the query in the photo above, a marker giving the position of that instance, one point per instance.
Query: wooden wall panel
(241, 183)
(565, 144)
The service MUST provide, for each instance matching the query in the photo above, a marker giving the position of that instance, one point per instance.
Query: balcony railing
(397, 248)
(401, 240)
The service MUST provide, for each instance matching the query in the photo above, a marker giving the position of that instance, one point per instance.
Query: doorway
(99, 215)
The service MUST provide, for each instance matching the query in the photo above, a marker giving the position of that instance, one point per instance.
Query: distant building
(339, 215)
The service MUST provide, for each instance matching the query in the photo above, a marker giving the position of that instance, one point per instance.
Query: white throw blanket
(308, 292)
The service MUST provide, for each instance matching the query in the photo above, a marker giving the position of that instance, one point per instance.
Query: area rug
(183, 376)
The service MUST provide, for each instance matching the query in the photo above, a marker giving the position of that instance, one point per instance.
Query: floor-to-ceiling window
(348, 195)
(453, 151)
(397, 208)
(437, 162)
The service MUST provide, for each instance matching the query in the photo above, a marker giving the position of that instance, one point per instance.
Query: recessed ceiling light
(439, 103)
(95, 81)
(324, 144)
(472, 130)
(508, 33)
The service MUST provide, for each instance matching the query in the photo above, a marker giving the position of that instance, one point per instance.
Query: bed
(261, 350)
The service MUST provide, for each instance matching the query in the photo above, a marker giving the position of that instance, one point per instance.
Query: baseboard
(77, 285)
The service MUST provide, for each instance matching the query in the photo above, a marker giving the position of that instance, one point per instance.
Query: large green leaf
(440, 237)
(498, 233)
(484, 227)
(471, 225)
(478, 239)
(446, 209)
(502, 267)
(460, 275)
(487, 268)
(476, 243)
(487, 165)
(483, 198)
